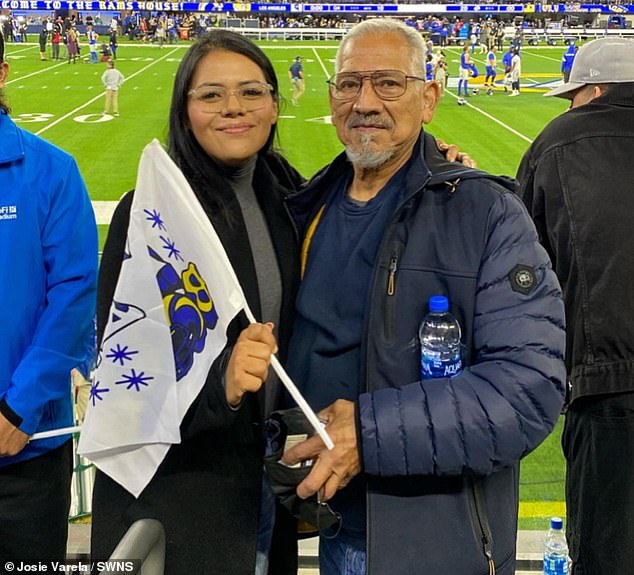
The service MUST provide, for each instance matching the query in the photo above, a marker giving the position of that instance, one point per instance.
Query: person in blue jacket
(424, 474)
(507, 62)
(467, 69)
(48, 274)
(567, 60)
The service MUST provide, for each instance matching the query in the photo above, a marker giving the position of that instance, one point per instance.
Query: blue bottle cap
(438, 303)
(556, 523)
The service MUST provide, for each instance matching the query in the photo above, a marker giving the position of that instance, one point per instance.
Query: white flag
(175, 297)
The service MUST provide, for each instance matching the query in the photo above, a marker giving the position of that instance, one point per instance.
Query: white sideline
(103, 211)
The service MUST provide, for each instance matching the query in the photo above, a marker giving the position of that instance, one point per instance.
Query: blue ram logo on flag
(189, 308)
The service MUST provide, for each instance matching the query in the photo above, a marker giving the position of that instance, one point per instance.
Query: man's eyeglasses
(388, 84)
(213, 96)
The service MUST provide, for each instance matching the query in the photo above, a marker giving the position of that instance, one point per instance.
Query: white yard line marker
(20, 78)
(7, 53)
(103, 210)
(494, 119)
(300, 47)
(321, 63)
(541, 55)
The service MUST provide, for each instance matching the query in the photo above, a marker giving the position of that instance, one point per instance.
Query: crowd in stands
(170, 27)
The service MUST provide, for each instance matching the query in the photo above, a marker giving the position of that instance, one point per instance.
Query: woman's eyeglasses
(214, 97)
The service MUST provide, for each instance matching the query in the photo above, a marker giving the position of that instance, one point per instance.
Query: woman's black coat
(207, 490)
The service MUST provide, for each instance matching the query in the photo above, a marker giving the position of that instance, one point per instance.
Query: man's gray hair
(381, 26)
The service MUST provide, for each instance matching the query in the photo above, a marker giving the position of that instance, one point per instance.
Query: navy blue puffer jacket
(442, 456)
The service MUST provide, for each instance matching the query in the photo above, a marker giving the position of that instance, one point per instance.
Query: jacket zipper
(391, 278)
(483, 522)
(375, 286)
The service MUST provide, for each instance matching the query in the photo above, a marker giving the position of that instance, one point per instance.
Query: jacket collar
(11, 143)
(619, 94)
(448, 174)
(428, 167)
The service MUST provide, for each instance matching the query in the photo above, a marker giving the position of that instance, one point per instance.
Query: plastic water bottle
(439, 336)
(556, 549)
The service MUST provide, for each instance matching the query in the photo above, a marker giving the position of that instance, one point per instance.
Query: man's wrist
(11, 416)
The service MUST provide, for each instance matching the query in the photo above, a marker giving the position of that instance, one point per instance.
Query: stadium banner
(158, 6)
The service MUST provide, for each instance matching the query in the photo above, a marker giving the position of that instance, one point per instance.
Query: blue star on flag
(96, 391)
(121, 354)
(155, 218)
(171, 248)
(134, 379)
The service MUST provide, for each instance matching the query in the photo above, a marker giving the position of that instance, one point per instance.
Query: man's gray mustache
(366, 123)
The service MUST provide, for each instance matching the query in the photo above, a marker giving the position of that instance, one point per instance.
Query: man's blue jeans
(265, 531)
(337, 557)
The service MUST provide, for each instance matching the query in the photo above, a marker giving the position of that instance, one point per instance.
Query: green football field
(63, 103)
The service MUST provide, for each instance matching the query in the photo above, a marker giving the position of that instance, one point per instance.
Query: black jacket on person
(207, 490)
(576, 180)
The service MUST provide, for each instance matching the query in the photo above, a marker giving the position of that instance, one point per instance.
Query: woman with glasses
(209, 493)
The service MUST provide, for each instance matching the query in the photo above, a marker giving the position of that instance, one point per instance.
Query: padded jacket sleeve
(508, 400)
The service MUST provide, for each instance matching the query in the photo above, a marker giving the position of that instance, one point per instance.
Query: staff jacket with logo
(48, 276)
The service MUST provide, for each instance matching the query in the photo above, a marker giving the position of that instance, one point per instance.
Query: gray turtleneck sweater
(264, 258)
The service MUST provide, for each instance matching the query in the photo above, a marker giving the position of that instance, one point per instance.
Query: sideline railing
(82, 484)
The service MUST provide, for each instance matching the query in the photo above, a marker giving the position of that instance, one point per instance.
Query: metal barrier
(83, 470)
(144, 540)
(81, 487)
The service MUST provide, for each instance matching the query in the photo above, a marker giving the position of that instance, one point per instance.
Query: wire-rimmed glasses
(387, 84)
(213, 97)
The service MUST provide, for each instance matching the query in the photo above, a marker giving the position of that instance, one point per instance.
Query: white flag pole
(286, 380)
(303, 405)
(295, 393)
(55, 432)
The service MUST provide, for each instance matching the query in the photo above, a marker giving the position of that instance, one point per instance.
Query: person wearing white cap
(576, 180)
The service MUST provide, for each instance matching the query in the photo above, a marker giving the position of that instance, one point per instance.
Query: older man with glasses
(424, 474)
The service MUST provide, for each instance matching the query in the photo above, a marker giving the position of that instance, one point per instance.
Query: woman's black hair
(201, 170)
(3, 106)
